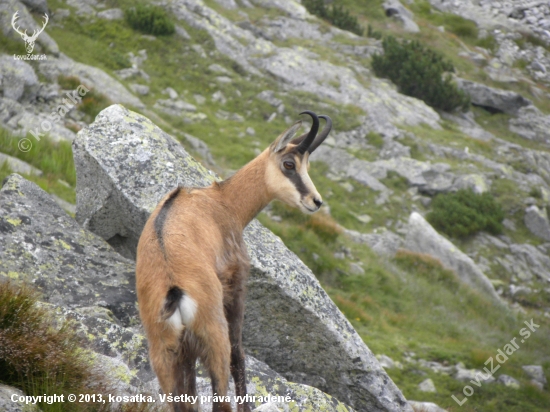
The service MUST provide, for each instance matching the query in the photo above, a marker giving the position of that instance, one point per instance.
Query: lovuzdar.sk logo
(29, 40)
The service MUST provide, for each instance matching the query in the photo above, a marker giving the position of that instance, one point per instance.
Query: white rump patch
(184, 314)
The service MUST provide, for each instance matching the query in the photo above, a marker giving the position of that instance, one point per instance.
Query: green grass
(149, 19)
(457, 25)
(418, 71)
(54, 159)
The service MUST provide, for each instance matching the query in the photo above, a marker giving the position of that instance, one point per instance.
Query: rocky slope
(232, 75)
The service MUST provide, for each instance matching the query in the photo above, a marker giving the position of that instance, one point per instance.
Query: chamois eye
(288, 165)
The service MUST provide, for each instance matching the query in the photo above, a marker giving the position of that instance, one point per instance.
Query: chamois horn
(304, 145)
(323, 135)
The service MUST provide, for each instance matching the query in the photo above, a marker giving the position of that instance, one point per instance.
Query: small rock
(250, 131)
(348, 186)
(219, 97)
(364, 218)
(171, 93)
(218, 69)
(388, 363)
(536, 373)
(426, 406)
(427, 386)
(180, 31)
(6, 403)
(466, 375)
(395, 9)
(140, 89)
(536, 221)
(19, 166)
(224, 79)
(111, 14)
(267, 407)
(356, 269)
(199, 99)
(269, 97)
(508, 381)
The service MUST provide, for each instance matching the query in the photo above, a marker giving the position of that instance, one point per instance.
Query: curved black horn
(323, 135)
(304, 145)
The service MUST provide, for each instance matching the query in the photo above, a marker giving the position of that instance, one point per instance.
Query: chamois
(192, 265)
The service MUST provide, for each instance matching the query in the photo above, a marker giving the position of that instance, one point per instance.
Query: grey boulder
(423, 238)
(536, 220)
(494, 99)
(125, 164)
(17, 78)
(43, 246)
(395, 9)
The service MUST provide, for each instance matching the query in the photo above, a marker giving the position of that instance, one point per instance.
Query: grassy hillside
(404, 307)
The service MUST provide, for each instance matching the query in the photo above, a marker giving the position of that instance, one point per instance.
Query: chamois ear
(285, 137)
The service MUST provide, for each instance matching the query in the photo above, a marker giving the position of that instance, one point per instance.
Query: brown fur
(202, 252)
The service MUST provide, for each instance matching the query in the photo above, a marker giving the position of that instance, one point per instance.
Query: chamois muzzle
(304, 145)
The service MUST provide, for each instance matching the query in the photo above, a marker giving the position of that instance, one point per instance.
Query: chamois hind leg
(235, 318)
(185, 369)
(215, 355)
(171, 363)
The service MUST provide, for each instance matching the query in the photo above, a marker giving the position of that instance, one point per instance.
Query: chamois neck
(245, 193)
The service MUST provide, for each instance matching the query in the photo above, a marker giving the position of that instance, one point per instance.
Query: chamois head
(287, 171)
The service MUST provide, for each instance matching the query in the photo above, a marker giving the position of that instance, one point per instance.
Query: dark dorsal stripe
(163, 213)
(173, 298)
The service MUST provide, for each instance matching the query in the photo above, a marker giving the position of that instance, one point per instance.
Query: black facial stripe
(297, 181)
(163, 213)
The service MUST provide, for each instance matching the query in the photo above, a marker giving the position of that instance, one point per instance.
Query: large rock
(43, 246)
(91, 77)
(37, 6)
(531, 124)
(537, 222)
(423, 238)
(125, 164)
(395, 9)
(527, 261)
(536, 373)
(17, 78)
(76, 270)
(7, 393)
(493, 99)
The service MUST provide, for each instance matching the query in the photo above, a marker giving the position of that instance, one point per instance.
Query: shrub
(150, 20)
(324, 226)
(93, 102)
(465, 213)
(418, 72)
(336, 15)
(37, 355)
(68, 82)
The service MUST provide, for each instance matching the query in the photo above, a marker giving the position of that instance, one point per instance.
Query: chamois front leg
(235, 319)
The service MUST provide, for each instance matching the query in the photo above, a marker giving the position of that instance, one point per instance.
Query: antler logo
(29, 40)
